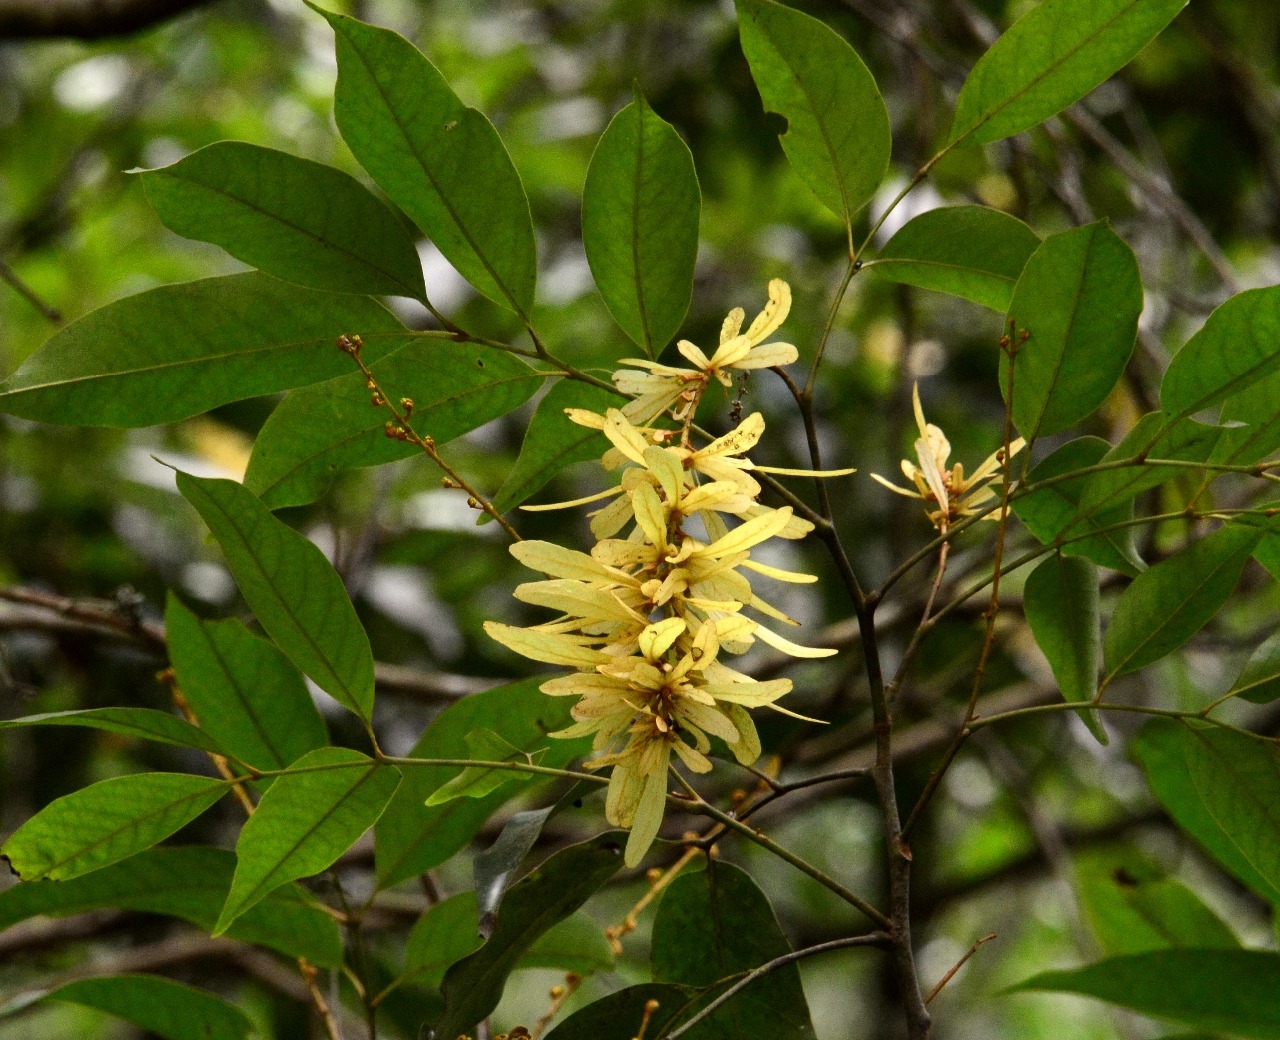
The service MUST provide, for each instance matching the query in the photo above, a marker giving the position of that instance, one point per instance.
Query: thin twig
(957, 966)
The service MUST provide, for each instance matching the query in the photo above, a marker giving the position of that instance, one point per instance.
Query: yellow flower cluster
(644, 619)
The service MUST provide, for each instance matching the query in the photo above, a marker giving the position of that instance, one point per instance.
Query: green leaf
(107, 822)
(1155, 436)
(1054, 511)
(1163, 748)
(179, 350)
(309, 817)
(553, 442)
(1259, 680)
(412, 837)
(481, 781)
(440, 161)
(576, 944)
(1231, 991)
(295, 593)
(442, 936)
(837, 136)
(497, 865)
(159, 1006)
(714, 924)
(1079, 297)
(243, 690)
(972, 252)
(1051, 58)
(547, 895)
(143, 723)
(1134, 906)
(640, 208)
(292, 218)
(190, 883)
(315, 431)
(1238, 346)
(619, 1015)
(1168, 604)
(1238, 780)
(447, 932)
(1061, 603)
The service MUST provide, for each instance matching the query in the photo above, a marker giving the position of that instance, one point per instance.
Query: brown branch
(85, 19)
(42, 611)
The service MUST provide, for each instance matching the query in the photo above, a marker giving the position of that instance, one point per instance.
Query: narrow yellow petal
(665, 464)
(751, 533)
(650, 515)
(648, 815)
(769, 355)
(778, 574)
(624, 436)
(785, 472)
(787, 647)
(659, 637)
(585, 500)
(561, 562)
(775, 311)
(572, 651)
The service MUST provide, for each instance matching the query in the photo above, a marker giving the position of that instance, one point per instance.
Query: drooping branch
(85, 19)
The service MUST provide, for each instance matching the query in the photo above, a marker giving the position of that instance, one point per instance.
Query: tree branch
(85, 19)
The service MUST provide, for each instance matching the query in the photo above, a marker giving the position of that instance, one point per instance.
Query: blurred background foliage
(1181, 152)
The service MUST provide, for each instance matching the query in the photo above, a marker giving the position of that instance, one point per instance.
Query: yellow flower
(658, 388)
(955, 494)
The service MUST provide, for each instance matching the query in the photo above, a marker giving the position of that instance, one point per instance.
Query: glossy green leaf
(497, 866)
(1061, 603)
(107, 822)
(1155, 436)
(640, 208)
(318, 430)
(190, 883)
(1238, 346)
(1238, 780)
(243, 690)
(1079, 297)
(1053, 513)
(553, 442)
(440, 161)
(837, 136)
(1231, 991)
(308, 818)
(159, 1006)
(1133, 906)
(412, 837)
(179, 350)
(482, 781)
(1168, 604)
(1259, 680)
(294, 591)
(1163, 749)
(972, 252)
(142, 723)
(1051, 57)
(292, 218)
(712, 925)
(544, 897)
(619, 1016)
